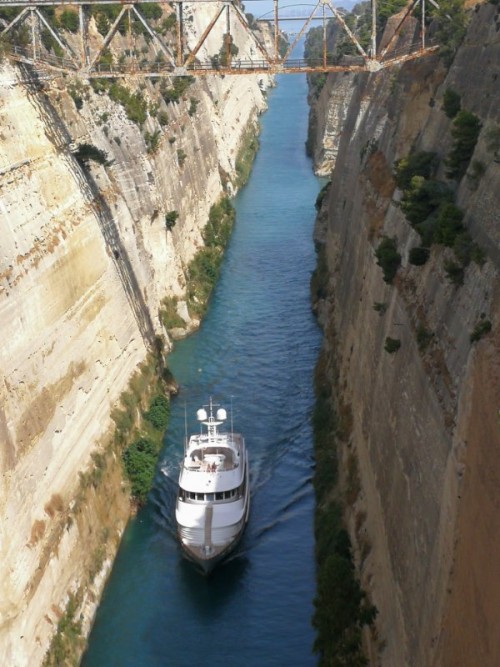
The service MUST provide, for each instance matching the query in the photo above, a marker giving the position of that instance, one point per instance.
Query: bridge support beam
(164, 59)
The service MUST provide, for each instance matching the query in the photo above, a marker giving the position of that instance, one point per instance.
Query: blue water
(257, 347)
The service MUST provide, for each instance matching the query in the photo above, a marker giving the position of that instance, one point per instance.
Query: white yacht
(213, 501)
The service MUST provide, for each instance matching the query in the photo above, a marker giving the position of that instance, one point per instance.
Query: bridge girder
(176, 58)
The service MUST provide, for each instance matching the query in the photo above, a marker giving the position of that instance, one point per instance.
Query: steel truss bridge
(83, 54)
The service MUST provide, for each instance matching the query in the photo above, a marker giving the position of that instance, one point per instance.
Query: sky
(260, 7)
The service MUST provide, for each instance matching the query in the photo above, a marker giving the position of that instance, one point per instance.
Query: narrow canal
(258, 345)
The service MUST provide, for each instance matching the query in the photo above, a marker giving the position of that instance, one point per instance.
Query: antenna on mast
(232, 438)
(185, 429)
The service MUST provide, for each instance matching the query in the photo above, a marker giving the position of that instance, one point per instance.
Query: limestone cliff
(85, 260)
(425, 431)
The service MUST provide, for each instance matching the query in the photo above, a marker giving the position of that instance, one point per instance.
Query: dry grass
(37, 532)
(54, 505)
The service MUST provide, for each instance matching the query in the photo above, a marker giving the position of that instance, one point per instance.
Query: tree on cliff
(388, 257)
(451, 23)
(465, 133)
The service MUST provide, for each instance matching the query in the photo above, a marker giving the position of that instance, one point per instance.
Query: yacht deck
(215, 455)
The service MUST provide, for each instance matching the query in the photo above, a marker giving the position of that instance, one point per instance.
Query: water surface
(257, 347)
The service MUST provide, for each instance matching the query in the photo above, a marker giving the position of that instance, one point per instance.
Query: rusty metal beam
(409, 7)
(180, 36)
(108, 37)
(154, 36)
(204, 36)
(242, 19)
(346, 28)
(179, 65)
(300, 33)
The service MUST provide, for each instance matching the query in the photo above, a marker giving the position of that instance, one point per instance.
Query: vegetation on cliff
(341, 606)
(139, 432)
(68, 642)
(143, 428)
(139, 458)
(388, 258)
(204, 268)
(246, 154)
(428, 203)
(449, 21)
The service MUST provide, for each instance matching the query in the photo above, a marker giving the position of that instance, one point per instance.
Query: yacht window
(219, 495)
(210, 496)
(199, 496)
(192, 495)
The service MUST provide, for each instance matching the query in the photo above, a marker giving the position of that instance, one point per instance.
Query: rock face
(85, 260)
(424, 419)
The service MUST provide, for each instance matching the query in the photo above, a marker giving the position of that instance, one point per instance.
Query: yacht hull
(207, 562)
(213, 500)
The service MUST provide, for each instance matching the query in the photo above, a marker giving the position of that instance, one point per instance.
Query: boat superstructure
(213, 499)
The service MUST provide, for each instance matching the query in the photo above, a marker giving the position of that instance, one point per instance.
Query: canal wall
(88, 255)
(420, 460)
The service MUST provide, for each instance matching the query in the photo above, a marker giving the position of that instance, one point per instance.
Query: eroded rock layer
(425, 417)
(86, 259)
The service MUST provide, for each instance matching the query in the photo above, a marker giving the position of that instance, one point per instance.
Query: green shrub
(477, 255)
(168, 314)
(177, 90)
(481, 329)
(466, 250)
(99, 85)
(170, 219)
(134, 104)
(152, 140)
(246, 154)
(454, 272)
(139, 460)
(465, 132)
(68, 641)
(321, 195)
(151, 10)
(392, 345)
(204, 268)
(181, 157)
(158, 413)
(340, 606)
(50, 43)
(76, 97)
(193, 105)
(422, 198)
(163, 118)
(418, 255)
(448, 224)
(388, 257)
(220, 223)
(106, 60)
(86, 153)
(380, 307)
(341, 611)
(105, 15)
(69, 20)
(450, 21)
(421, 163)
(451, 103)
(424, 337)
(168, 23)
(221, 59)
